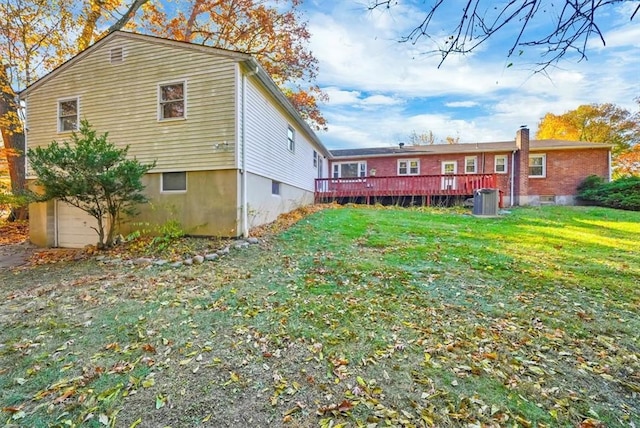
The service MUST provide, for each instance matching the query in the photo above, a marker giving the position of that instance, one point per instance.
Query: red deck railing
(415, 185)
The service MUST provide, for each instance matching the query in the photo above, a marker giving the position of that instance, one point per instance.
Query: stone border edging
(187, 261)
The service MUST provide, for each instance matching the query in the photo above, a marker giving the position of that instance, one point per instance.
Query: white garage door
(74, 227)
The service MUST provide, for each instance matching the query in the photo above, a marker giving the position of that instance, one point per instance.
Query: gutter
(243, 170)
(513, 168)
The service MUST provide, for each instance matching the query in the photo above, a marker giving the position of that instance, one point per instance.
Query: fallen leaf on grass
(161, 401)
(66, 394)
(335, 409)
(591, 423)
(147, 347)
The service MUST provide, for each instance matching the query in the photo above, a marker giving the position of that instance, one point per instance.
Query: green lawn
(353, 317)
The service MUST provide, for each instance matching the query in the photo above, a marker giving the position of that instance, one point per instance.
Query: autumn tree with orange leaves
(598, 123)
(273, 32)
(628, 164)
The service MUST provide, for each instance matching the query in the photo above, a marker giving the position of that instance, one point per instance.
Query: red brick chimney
(522, 167)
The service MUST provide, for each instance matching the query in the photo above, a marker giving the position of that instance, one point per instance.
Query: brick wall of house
(429, 164)
(567, 168)
(432, 165)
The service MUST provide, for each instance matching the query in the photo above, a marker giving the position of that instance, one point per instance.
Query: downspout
(243, 170)
(513, 167)
(609, 164)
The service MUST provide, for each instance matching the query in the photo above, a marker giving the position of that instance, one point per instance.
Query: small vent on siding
(117, 56)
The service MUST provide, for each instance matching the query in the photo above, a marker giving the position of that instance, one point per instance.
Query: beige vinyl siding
(123, 100)
(266, 138)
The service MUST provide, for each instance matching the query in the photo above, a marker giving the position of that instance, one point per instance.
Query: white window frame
(291, 139)
(447, 182)
(59, 120)
(505, 159)
(336, 171)
(475, 164)
(186, 179)
(183, 82)
(542, 156)
(408, 167)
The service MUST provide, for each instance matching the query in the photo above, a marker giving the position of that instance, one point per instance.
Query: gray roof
(434, 149)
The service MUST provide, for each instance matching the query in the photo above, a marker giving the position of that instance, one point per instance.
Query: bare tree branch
(479, 20)
(126, 17)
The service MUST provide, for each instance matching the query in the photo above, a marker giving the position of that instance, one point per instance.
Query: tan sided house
(231, 151)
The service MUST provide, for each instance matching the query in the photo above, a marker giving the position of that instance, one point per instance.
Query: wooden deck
(425, 186)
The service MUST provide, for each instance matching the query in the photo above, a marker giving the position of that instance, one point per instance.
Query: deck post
(428, 200)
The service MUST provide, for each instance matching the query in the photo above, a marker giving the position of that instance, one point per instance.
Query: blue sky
(381, 90)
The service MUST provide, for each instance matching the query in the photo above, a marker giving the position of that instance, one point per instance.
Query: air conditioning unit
(485, 202)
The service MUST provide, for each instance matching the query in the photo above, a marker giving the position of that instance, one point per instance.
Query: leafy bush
(169, 231)
(623, 193)
(592, 182)
(92, 174)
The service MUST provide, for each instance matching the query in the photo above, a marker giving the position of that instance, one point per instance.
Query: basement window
(275, 187)
(174, 182)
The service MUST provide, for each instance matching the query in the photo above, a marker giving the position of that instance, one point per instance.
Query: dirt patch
(15, 255)
(15, 249)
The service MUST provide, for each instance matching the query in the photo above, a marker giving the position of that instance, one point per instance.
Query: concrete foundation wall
(42, 224)
(209, 207)
(265, 207)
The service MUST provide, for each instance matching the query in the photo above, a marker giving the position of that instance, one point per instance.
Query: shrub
(623, 193)
(92, 174)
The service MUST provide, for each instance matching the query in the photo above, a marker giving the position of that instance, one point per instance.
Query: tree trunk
(13, 139)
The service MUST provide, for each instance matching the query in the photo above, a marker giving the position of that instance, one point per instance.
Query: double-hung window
(172, 101)
(538, 165)
(471, 164)
(500, 164)
(291, 139)
(408, 167)
(349, 169)
(68, 115)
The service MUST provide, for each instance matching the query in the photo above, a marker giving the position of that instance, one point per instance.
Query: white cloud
(626, 36)
(381, 90)
(338, 96)
(463, 104)
(380, 100)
